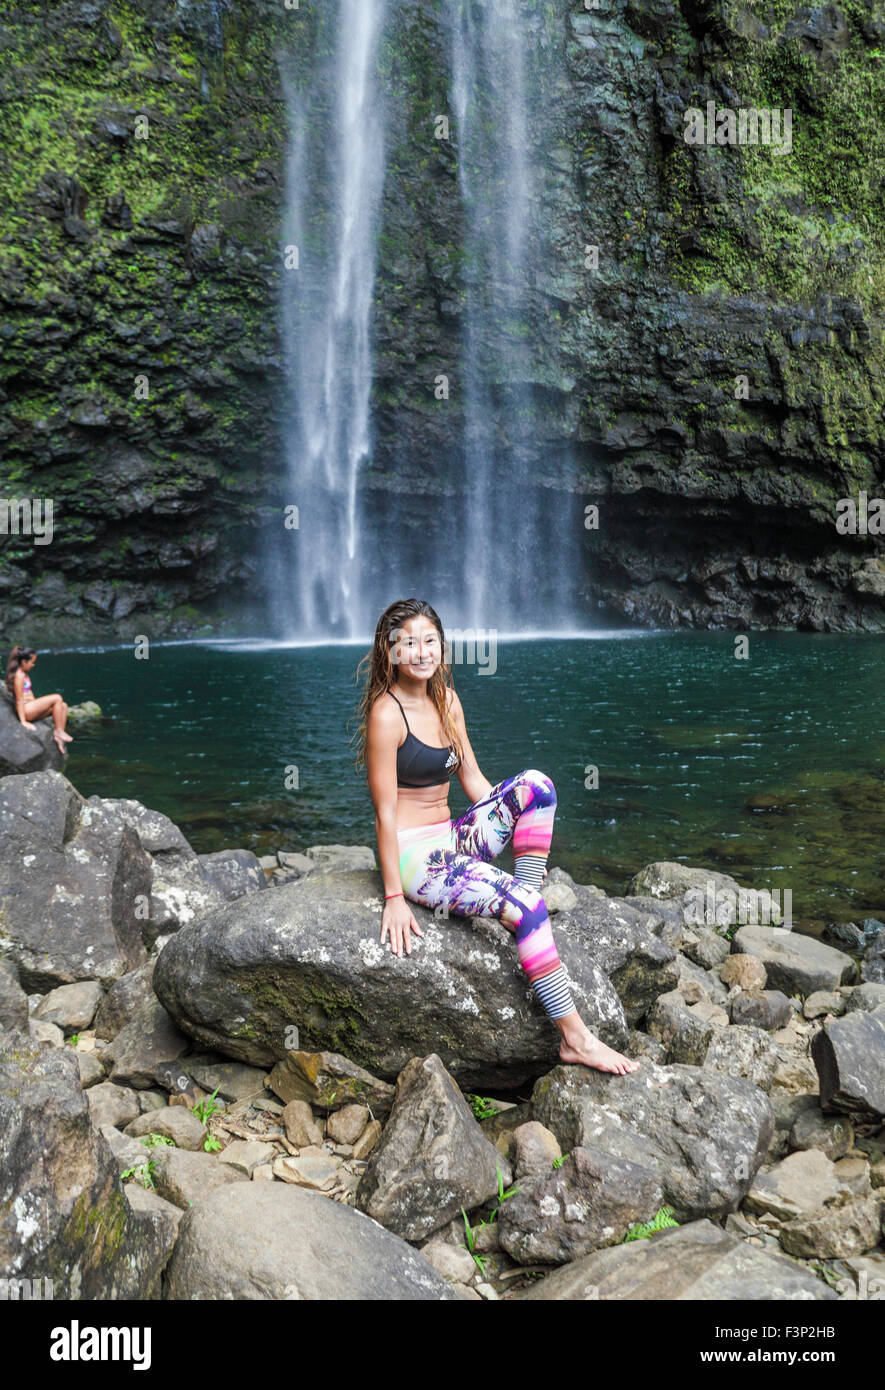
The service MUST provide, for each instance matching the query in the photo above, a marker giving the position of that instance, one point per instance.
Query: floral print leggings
(447, 864)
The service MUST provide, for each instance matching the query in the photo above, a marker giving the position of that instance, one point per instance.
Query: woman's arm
(475, 785)
(18, 686)
(382, 740)
(381, 745)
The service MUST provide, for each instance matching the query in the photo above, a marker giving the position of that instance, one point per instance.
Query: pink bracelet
(388, 896)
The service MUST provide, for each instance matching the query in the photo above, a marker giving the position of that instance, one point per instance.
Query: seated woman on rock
(28, 706)
(438, 862)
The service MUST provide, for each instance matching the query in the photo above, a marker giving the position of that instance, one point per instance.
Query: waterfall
(521, 539)
(512, 562)
(334, 181)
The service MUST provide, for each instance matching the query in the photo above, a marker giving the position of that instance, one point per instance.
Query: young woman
(412, 738)
(28, 706)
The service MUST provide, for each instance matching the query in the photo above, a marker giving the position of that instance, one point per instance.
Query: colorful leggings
(447, 865)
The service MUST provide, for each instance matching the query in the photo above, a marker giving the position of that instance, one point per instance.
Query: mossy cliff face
(133, 250)
(139, 268)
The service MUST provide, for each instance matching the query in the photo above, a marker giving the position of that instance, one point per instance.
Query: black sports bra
(423, 765)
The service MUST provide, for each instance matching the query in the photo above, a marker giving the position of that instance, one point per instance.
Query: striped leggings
(447, 865)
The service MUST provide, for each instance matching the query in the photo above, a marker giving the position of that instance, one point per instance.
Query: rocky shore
(215, 1083)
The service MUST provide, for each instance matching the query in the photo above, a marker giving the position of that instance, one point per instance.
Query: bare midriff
(421, 806)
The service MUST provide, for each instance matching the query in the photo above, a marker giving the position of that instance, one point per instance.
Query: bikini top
(424, 765)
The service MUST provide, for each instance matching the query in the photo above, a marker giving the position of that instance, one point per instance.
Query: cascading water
(521, 550)
(335, 173)
(511, 564)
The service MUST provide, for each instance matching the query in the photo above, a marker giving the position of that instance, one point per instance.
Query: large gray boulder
(590, 1201)
(181, 888)
(264, 1240)
(307, 956)
(793, 963)
(433, 1158)
(25, 750)
(625, 942)
(703, 1134)
(144, 1048)
(233, 872)
(13, 1000)
(74, 880)
(849, 1054)
(697, 1262)
(63, 1214)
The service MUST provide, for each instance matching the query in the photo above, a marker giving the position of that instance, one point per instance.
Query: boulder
(300, 1125)
(112, 1105)
(867, 996)
(345, 1126)
(268, 1240)
(802, 1182)
(709, 899)
(49, 1034)
(128, 1153)
(872, 970)
(433, 1158)
(144, 1047)
(63, 1215)
(849, 1054)
(685, 1036)
(697, 1262)
(849, 1226)
(84, 713)
(71, 1007)
(793, 963)
(90, 1068)
(232, 1080)
(340, 858)
(307, 956)
(833, 1135)
(622, 941)
(247, 1154)
(326, 1080)
(13, 1000)
(747, 972)
(174, 1122)
(24, 750)
(823, 1002)
(702, 1133)
(72, 878)
(704, 947)
(741, 1051)
(535, 1149)
(185, 1178)
(123, 1000)
(233, 872)
(590, 1201)
(761, 1008)
(181, 889)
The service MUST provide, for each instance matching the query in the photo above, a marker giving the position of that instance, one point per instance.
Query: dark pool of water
(769, 768)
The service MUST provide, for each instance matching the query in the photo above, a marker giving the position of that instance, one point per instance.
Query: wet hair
(16, 657)
(381, 671)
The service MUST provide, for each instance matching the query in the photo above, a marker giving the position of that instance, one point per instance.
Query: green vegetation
(642, 1230)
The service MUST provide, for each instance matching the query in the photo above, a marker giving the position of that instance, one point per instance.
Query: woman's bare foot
(61, 739)
(593, 1052)
(63, 735)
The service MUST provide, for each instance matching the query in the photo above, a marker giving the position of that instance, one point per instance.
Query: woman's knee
(543, 790)
(532, 907)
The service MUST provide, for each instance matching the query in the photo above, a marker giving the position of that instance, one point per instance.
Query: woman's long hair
(16, 657)
(381, 672)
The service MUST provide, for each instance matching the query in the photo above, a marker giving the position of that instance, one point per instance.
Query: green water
(770, 768)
